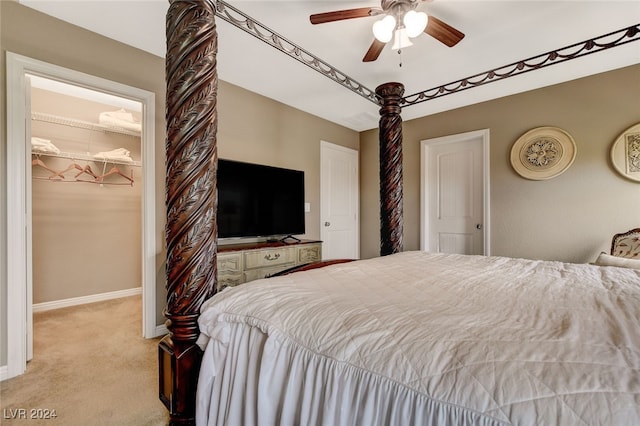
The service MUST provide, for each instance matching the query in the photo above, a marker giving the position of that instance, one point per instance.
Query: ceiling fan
(401, 20)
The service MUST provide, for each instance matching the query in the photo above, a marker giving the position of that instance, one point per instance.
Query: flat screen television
(259, 201)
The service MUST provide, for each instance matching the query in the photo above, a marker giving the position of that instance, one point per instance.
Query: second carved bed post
(191, 164)
(390, 95)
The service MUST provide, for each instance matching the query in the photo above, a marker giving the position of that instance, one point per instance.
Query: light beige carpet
(92, 366)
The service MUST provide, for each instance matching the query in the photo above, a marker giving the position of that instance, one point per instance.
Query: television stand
(243, 262)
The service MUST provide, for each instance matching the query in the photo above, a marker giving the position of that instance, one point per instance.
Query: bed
(409, 337)
(425, 338)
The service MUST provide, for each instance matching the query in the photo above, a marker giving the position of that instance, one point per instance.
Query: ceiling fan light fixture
(383, 29)
(415, 22)
(401, 39)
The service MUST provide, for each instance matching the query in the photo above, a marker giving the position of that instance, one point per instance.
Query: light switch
(307, 207)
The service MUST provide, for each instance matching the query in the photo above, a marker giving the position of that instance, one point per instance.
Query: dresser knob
(269, 257)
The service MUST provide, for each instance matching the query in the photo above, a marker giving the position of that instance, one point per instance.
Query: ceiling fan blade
(442, 32)
(374, 51)
(339, 15)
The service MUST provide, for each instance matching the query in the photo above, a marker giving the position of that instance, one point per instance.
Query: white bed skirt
(264, 380)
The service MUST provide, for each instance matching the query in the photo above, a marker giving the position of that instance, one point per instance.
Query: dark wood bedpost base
(179, 364)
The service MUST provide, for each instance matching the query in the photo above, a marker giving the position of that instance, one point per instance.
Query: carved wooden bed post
(192, 87)
(390, 95)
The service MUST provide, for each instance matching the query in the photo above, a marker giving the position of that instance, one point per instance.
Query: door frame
(19, 307)
(347, 151)
(425, 145)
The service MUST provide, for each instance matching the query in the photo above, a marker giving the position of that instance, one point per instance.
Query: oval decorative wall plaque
(625, 153)
(543, 153)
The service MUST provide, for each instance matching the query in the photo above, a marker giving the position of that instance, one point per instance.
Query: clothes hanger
(116, 171)
(55, 175)
(72, 166)
(87, 169)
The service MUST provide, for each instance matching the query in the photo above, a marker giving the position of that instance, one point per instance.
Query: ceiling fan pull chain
(400, 56)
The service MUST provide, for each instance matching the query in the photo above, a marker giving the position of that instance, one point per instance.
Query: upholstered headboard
(626, 244)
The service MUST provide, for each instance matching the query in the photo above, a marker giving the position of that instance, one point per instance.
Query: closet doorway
(76, 149)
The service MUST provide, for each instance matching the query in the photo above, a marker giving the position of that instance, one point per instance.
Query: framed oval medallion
(543, 153)
(625, 153)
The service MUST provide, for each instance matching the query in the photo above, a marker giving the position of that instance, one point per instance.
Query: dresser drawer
(256, 274)
(229, 263)
(309, 253)
(266, 258)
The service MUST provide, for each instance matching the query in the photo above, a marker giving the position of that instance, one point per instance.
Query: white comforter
(422, 338)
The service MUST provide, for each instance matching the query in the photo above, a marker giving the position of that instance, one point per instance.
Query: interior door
(454, 194)
(339, 211)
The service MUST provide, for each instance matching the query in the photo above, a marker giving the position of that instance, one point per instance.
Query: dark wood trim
(191, 112)
(391, 221)
(225, 248)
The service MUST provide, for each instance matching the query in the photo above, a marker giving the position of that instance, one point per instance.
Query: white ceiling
(497, 33)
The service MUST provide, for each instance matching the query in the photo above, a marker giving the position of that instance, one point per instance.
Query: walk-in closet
(86, 200)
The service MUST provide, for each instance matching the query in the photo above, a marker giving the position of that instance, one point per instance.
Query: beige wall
(250, 128)
(571, 217)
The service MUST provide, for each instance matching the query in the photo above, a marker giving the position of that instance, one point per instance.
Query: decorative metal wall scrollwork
(246, 23)
(558, 56)
(391, 220)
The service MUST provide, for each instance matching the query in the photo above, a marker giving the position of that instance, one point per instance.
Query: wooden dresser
(240, 263)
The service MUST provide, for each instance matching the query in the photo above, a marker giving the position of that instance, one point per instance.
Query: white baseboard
(161, 330)
(4, 373)
(64, 303)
